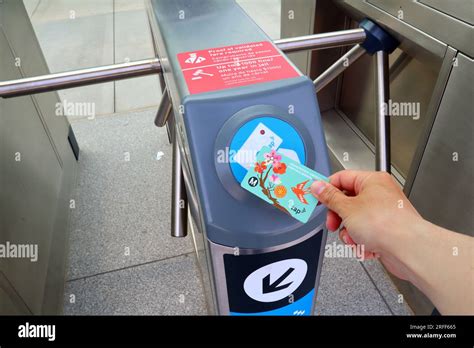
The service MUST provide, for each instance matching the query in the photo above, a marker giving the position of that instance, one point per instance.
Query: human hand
(371, 208)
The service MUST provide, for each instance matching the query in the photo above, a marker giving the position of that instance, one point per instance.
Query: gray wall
(37, 172)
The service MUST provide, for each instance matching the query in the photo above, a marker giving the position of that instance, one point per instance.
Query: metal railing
(322, 41)
(90, 76)
(78, 78)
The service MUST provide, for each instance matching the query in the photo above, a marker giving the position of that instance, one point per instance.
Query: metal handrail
(90, 76)
(78, 78)
(322, 41)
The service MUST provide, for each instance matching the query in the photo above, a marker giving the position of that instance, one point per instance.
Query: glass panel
(75, 34)
(266, 13)
(283, 19)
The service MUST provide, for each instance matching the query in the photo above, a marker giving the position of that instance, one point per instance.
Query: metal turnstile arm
(78, 78)
(90, 76)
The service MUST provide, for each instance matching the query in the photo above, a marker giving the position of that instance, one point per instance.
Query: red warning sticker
(233, 66)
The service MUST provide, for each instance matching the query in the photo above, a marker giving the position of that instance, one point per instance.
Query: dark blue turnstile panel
(216, 122)
(233, 216)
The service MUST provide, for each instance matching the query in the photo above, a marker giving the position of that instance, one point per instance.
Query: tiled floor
(122, 259)
(167, 287)
(123, 195)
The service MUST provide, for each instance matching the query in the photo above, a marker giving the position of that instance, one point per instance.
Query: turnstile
(229, 91)
(233, 91)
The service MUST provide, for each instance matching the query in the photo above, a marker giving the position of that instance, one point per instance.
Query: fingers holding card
(283, 183)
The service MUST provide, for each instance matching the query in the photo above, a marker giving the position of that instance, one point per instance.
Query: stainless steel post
(169, 117)
(322, 41)
(179, 201)
(164, 109)
(77, 78)
(382, 123)
(191, 196)
(338, 67)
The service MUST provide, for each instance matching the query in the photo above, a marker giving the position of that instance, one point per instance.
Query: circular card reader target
(257, 133)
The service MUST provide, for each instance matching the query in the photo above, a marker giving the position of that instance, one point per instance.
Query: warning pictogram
(194, 59)
(234, 66)
(199, 73)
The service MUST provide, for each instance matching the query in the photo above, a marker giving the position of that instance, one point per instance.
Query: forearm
(439, 262)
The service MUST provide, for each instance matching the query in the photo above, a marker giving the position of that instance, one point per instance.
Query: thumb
(331, 197)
